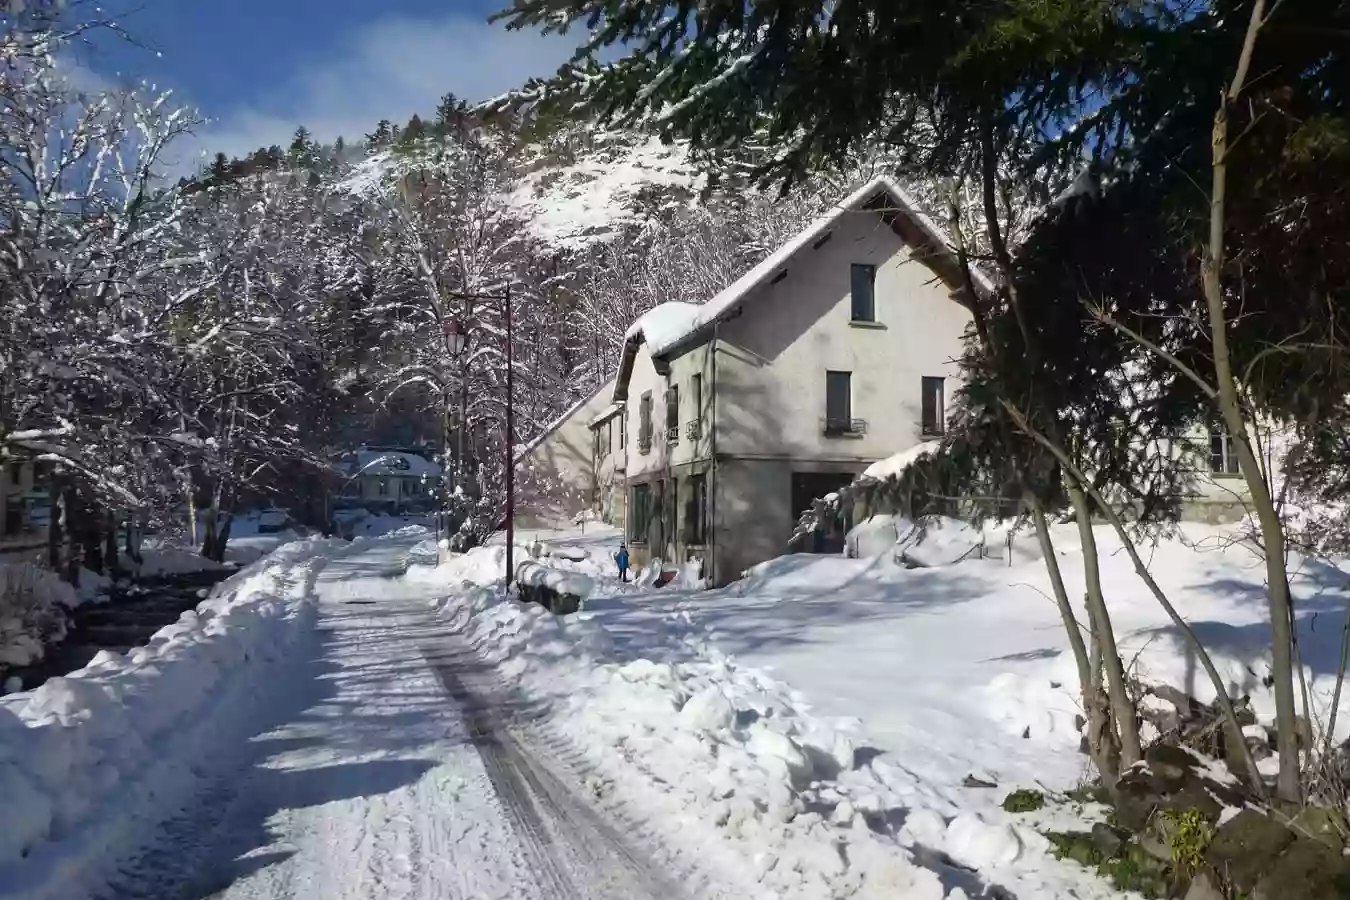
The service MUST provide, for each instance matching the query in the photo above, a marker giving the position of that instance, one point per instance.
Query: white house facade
(828, 356)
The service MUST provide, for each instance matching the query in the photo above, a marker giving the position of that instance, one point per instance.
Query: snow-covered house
(393, 479)
(829, 355)
(558, 472)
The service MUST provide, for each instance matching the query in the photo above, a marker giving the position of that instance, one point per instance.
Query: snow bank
(32, 613)
(89, 763)
(725, 760)
(939, 541)
(874, 537)
(560, 581)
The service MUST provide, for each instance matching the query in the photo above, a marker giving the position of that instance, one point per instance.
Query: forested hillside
(217, 341)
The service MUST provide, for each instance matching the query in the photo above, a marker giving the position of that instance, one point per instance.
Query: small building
(24, 509)
(558, 472)
(829, 355)
(390, 479)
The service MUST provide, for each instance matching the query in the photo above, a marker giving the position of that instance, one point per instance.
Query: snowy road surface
(392, 773)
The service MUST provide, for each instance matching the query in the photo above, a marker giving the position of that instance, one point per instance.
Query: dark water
(126, 621)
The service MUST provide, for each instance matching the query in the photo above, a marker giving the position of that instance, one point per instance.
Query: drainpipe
(712, 449)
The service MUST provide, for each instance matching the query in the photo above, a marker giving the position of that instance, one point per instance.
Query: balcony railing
(644, 443)
(693, 429)
(673, 435)
(832, 427)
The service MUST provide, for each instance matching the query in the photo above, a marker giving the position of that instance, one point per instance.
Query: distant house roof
(390, 463)
(561, 420)
(673, 326)
(606, 414)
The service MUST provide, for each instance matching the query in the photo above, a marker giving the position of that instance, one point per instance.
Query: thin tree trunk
(1230, 405)
(1104, 751)
(1225, 702)
(1122, 708)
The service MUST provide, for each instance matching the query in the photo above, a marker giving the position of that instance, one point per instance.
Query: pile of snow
(33, 604)
(726, 761)
(874, 537)
(939, 541)
(91, 762)
(165, 559)
(574, 584)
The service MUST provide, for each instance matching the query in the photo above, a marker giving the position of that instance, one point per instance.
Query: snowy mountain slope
(571, 203)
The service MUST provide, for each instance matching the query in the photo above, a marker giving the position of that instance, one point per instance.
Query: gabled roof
(673, 326)
(558, 422)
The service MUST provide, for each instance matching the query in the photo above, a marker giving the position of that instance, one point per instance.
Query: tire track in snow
(573, 849)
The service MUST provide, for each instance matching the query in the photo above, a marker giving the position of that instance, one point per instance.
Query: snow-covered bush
(33, 604)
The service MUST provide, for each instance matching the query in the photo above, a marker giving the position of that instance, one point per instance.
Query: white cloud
(389, 70)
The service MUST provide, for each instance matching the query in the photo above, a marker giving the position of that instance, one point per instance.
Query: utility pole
(510, 448)
(505, 299)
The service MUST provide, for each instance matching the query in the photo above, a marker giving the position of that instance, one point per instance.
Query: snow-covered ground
(91, 761)
(934, 674)
(331, 725)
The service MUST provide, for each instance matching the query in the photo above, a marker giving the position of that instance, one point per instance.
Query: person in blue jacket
(622, 559)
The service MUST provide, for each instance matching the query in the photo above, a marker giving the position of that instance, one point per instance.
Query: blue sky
(258, 68)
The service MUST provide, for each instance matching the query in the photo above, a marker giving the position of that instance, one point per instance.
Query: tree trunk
(1236, 422)
(1102, 746)
(1122, 708)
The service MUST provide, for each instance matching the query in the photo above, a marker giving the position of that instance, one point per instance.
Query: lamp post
(505, 299)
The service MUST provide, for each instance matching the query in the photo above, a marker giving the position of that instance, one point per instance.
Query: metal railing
(693, 429)
(832, 427)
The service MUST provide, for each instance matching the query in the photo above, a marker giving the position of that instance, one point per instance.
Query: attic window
(822, 240)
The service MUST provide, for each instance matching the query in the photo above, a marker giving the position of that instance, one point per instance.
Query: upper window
(645, 423)
(673, 413)
(838, 399)
(864, 293)
(934, 406)
(696, 389)
(1223, 458)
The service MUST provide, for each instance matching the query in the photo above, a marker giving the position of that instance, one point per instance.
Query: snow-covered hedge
(33, 604)
(93, 760)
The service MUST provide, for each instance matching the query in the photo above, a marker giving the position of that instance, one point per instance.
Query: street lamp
(457, 338)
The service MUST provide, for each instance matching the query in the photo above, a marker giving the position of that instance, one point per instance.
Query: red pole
(510, 449)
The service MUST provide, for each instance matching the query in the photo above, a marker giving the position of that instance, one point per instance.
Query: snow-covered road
(392, 772)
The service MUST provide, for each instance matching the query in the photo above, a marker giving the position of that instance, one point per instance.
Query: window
(670, 510)
(597, 454)
(864, 293)
(673, 414)
(623, 430)
(641, 513)
(696, 388)
(382, 487)
(838, 400)
(1223, 458)
(696, 511)
(645, 423)
(934, 408)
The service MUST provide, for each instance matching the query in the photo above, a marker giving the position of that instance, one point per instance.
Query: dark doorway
(808, 487)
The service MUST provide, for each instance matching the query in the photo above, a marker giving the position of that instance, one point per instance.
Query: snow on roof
(661, 327)
(589, 200)
(607, 413)
(893, 466)
(670, 332)
(391, 462)
(558, 422)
